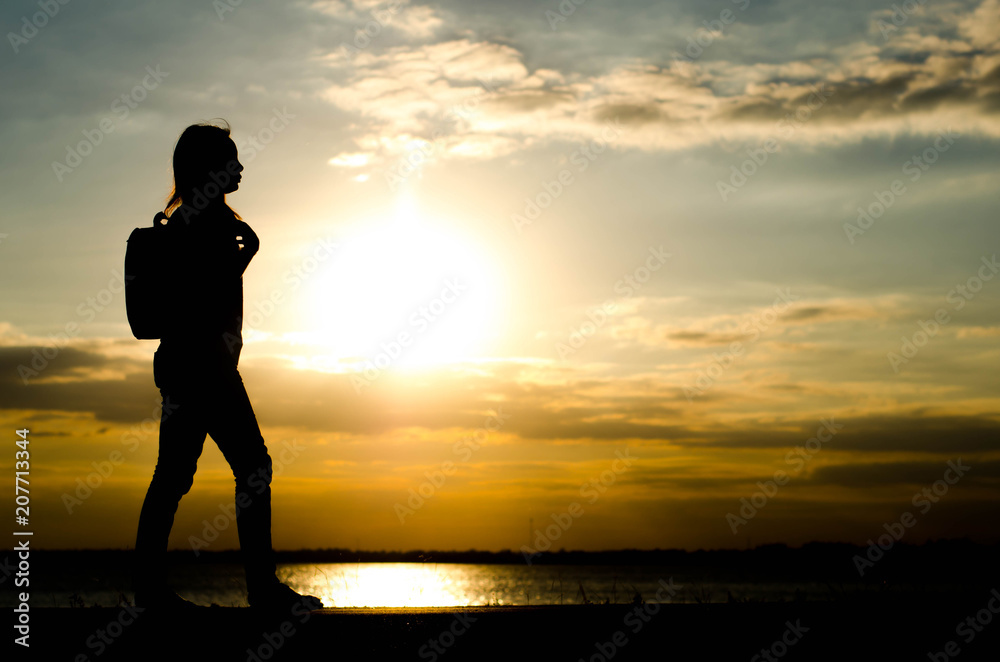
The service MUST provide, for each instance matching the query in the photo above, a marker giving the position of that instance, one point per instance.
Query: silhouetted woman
(195, 368)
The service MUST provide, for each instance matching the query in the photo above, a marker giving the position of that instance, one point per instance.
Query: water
(425, 585)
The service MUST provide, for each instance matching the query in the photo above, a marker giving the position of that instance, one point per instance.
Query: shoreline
(844, 630)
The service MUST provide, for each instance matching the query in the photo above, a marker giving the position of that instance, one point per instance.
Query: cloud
(353, 160)
(982, 27)
(775, 320)
(704, 338)
(372, 16)
(900, 86)
(127, 400)
(979, 332)
(47, 361)
(873, 433)
(984, 473)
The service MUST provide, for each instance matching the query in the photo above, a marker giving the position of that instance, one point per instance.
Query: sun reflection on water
(386, 584)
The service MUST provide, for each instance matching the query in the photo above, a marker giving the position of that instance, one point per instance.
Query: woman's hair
(201, 150)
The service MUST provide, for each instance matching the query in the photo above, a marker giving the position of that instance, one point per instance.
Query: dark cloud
(901, 433)
(954, 92)
(526, 102)
(63, 383)
(755, 110)
(811, 312)
(125, 400)
(843, 101)
(860, 476)
(631, 113)
(47, 361)
(991, 102)
(704, 337)
(992, 77)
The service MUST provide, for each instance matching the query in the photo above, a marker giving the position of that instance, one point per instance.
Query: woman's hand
(248, 244)
(248, 240)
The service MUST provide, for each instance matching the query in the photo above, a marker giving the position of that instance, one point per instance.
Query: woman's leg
(182, 438)
(233, 425)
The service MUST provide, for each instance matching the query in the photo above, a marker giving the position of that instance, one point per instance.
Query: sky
(588, 276)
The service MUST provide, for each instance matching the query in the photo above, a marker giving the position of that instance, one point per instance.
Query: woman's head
(206, 167)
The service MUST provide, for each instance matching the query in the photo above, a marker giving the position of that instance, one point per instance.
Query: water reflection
(458, 585)
(435, 585)
(382, 584)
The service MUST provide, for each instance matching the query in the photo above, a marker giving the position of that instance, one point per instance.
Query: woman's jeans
(203, 394)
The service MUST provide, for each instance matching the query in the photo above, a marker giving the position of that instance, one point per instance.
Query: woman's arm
(248, 243)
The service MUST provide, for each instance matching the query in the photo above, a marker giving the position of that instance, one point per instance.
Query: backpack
(147, 283)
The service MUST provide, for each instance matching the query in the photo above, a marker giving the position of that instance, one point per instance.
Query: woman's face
(232, 167)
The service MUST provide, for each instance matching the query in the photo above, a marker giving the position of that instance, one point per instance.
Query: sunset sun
(403, 293)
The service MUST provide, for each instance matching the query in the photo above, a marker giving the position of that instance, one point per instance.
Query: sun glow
(387, 584)
(404, 293)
